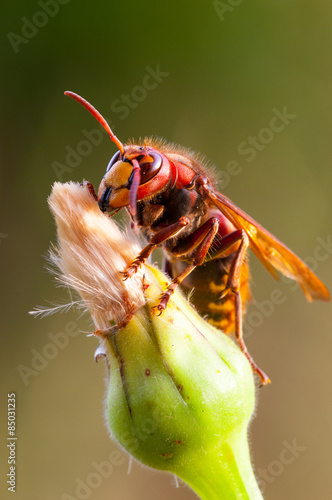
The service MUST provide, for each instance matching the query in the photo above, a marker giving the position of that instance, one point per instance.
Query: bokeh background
(223, 73)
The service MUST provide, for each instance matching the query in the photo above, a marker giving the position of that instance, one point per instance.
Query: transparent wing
(273, 254)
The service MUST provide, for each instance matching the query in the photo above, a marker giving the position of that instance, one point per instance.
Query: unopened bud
(180, 392)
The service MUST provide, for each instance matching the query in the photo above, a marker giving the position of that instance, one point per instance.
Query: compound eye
(149, 169)
(113, 160)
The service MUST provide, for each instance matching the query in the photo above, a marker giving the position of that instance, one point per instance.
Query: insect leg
(90, 188)
(233, 285)
(200, 241)
(157, 239)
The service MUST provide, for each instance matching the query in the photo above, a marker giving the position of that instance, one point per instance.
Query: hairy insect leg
(233, 285)
(164, 299)
(157, 239)
(200, 241)
(239, 336)
(90, 188)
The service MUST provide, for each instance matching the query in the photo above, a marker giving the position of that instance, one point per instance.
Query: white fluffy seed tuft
(91, 253)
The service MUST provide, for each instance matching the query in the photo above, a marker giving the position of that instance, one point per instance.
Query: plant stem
(224, 473)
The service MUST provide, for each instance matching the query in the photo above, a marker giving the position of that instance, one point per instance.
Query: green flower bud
(180, 393)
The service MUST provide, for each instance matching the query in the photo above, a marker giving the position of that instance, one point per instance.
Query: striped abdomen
(206, 283)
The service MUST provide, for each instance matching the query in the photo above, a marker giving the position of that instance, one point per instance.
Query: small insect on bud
(180, 392)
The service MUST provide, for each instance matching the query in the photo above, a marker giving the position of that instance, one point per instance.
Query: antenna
(98, 116)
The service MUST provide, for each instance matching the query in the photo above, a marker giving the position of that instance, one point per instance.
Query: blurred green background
(222, 77)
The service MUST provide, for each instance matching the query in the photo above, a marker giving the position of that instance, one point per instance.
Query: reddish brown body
(179, 198)
(172, 198)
